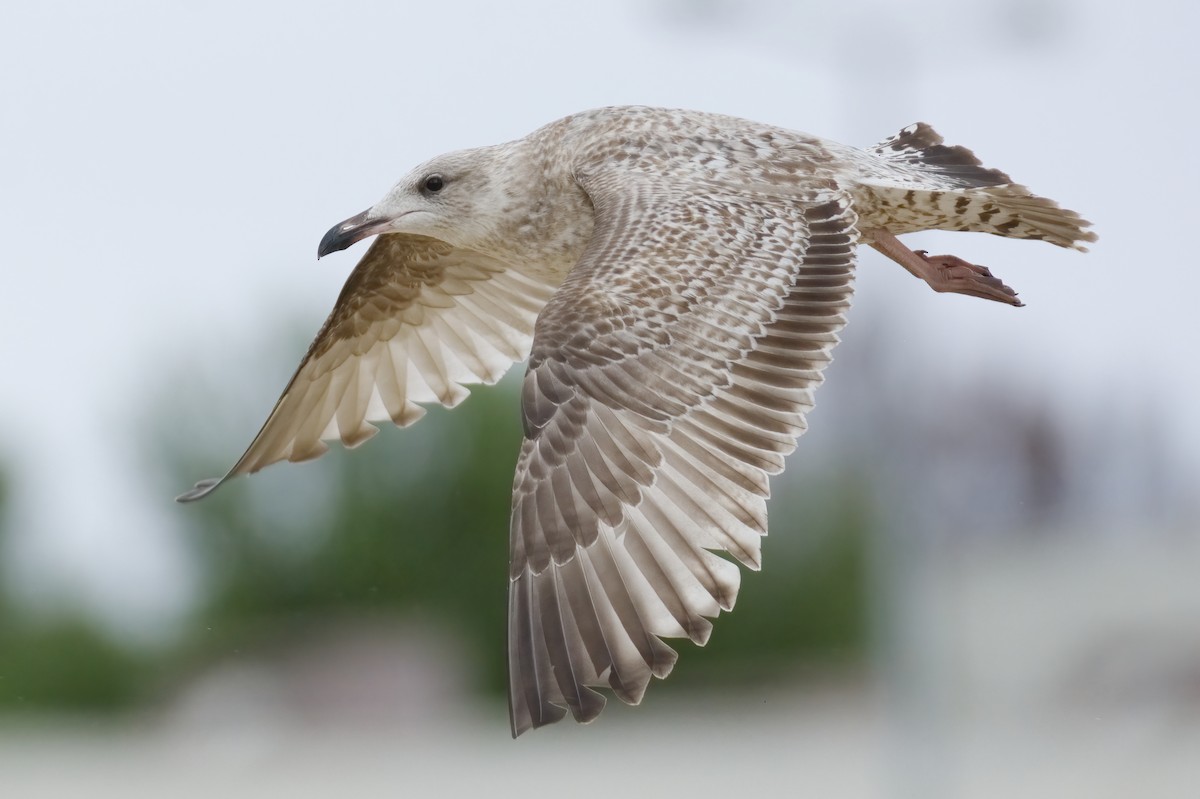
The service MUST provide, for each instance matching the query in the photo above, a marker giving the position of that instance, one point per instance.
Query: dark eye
(433, 184)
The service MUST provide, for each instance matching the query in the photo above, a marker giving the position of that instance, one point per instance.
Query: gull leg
(943, 273)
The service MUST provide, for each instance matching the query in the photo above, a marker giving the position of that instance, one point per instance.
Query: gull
(677, 281)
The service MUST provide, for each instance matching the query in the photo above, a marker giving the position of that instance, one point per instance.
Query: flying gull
(677, 281)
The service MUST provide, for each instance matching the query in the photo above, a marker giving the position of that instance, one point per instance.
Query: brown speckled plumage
(677, 280)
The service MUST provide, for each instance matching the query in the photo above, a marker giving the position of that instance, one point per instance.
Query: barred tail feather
(968, 196)
(1015, 212)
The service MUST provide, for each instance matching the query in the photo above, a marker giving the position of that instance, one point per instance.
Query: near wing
(415, 321)
(670, 375)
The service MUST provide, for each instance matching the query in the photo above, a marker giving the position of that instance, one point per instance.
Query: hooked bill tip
(347, 232)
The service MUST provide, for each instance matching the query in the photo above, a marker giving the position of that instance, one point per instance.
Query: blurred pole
(910, 629)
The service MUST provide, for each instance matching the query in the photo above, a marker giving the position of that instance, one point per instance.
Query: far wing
(670, 375)
(416, 320)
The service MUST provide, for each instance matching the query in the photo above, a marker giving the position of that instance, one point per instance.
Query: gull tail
(972, 197)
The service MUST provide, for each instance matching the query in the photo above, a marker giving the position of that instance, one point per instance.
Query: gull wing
(416, 321)
(670, 375)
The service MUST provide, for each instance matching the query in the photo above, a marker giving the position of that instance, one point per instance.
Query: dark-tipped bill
(343, 234)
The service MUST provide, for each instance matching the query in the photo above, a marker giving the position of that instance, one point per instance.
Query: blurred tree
(417, 520)
(61, 662)
(411, 522)
(64, 665)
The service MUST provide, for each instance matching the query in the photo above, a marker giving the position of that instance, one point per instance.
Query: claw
(952, 274)
(943, 273)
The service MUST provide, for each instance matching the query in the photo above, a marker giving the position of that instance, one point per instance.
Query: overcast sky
(168, 168)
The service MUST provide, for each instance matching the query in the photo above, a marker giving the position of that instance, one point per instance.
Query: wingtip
(1085, 235)
(201, 490)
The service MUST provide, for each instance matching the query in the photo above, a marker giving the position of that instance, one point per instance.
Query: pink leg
(943, 273)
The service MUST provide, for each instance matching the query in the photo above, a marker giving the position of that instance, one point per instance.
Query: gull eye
(433, 184)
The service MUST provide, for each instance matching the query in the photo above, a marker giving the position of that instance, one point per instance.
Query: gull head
(453, 197)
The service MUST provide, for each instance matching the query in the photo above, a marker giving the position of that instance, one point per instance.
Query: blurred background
(981, 578)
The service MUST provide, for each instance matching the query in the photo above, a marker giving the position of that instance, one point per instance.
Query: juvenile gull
(677, 280)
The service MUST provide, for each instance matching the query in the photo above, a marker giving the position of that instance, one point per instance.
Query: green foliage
(417, 520)
(64, 666)
(414, 523)
(61, 664)
(807, 608)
